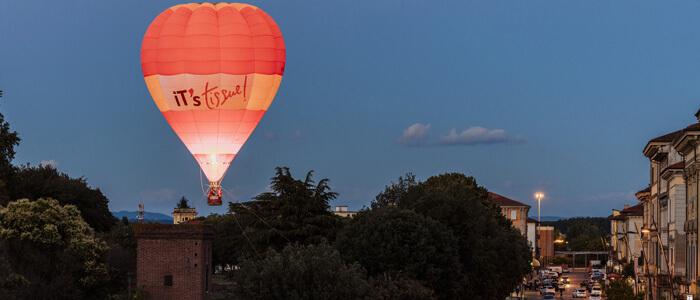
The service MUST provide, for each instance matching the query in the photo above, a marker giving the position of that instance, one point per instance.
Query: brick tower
(174, 261)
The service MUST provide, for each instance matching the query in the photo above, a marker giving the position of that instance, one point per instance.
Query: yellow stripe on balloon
(185, 92)
(153, 85)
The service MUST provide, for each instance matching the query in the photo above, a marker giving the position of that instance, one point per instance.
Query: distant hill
(601, 224)
(549, 218)
(148, 216)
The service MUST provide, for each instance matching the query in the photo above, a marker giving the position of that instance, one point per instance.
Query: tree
(301, 272)
(120, 256)
(47, 182)
(494, 255)
(8, 140)
(294, 211)
(51, 251)
(619, 290)
(584, 236)
(387, 287)
(183, 203)
(392, 241)
(394, 191)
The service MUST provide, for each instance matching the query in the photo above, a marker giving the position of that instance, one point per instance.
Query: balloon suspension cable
(250, 243)
(252, 211)
(201, 183)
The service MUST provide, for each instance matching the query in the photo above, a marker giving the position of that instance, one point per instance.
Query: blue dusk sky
(558, 96)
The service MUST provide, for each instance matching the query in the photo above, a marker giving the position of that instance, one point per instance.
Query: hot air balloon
(213, 70)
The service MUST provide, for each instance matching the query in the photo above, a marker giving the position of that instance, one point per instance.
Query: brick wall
(181, 251)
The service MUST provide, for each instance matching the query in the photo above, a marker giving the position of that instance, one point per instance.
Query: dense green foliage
(494, 256)
(620, 290)
(8, 140)
(398, 287)
(50, 251)
(47, 182)
(294, 211)
(393, 192)
(583, 234)
(301, 272)
(390, 241)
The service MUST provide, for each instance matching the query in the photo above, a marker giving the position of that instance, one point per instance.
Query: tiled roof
(637, 210)
(667, 138)
(618, 217)
(645, 190)
(693, 127)
(504, 201)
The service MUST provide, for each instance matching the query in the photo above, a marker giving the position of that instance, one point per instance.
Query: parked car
(596, 291)
(547, 289)
(565, 269)
(579, 293)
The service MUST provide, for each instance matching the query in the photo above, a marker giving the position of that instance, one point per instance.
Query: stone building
(666, 215)
(514, 211)
(670, 241)
(182, 215)
(686, 143)
(625, 239)
(532, 235)
(342, 211)
(545, 242)
(174, 261)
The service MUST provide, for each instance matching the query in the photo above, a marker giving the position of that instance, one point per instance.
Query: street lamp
(539, 196)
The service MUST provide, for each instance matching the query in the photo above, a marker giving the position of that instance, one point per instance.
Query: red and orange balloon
(213, 70)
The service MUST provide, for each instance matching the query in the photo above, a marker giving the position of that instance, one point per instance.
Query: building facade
(517, 212)
(686, 143)
(514, 211)
(183, 215)
(626, 241)
(174, 261)
(342, 211)
(670, 218)
(545, 243)
(625, 238)
(532, 235)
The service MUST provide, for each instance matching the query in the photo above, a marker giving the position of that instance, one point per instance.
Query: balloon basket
(214, 195)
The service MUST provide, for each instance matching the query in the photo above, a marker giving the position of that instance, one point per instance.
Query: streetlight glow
(538, 196)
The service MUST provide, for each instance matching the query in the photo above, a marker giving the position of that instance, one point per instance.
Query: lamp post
(539, 196)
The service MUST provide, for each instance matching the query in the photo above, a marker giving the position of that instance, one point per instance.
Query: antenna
(139, 216)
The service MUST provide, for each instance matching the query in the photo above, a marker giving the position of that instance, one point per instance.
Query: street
(576, 279)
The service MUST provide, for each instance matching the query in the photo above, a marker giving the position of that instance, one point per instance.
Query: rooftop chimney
(697, 115)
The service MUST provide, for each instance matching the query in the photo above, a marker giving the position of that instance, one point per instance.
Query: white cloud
(415, 134)
(477, 135)
(49, 163)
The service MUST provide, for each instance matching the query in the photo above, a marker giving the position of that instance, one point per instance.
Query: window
(513, 214)
(168, 280)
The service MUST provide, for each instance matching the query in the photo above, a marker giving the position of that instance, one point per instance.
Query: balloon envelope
(213, 70)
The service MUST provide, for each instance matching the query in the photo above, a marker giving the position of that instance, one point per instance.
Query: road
(576, 279)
